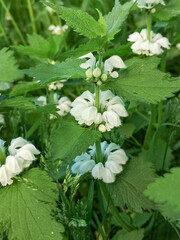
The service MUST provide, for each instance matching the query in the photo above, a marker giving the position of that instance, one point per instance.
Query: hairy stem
(13, 22)
(149, 25)
(31, 16)
(4, 34)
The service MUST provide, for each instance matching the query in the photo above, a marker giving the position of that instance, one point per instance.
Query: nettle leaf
(143, 81)
(48, 73)
(93, 45)
(38, 46)
(80, 21)
(116, 17)
(71, 140)
(8, 67)
(121, 51)
(25, 87)
(133, 235)
(18, 102)
(129, 186)
(167, 12)
(166, 191)
(27, 206)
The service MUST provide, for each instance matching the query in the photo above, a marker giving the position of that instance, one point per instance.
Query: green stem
(2, 157)
(4, 34)
(149, 25)
(13, 22)
(97, 96)
(150, 127)
(33, 128)
(98, 152)
(31, 16)
(114, 210)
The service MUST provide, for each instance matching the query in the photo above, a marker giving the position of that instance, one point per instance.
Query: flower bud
(104, 77)
(97, 72)
(102, 128)
(99, 83)
(89, 73)
(153, 10)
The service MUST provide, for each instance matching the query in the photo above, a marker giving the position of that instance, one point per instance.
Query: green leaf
(129, 186)
(166, 191)
(116, 17)
(133, 235)
(126, 130)
(167, 12)
(8, 67)
(18, 102)
(93, 45)
(25, 87)
(48, 73)
(38, 46)
(80, 21)
(144, 82)
(26, 208)
(71, 140)
(121, 50)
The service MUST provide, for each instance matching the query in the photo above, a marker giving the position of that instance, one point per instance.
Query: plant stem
(150, 127)
(31, 16)
(114, 210)
(13, 22)
(97, 95)
(149, 25)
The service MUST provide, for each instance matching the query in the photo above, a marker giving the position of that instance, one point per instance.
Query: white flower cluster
(113, 156)
(63, 104)
(142, 45)
(57, 30)
(103, 72)
(57, 85)
(148, 4)
(111, 109)
(22, 154)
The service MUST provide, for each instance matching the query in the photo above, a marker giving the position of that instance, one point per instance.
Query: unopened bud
(104, 77)
(99, 83)
(89, 73)
(102, 128)
(153, 10)
(97, 72)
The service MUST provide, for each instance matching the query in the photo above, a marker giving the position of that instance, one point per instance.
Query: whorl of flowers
(111, 109)
(99, 74)
(148, 4)
(22, 154)
(63, 104)
(142, 45)
(113, 159)
(57, 30)
(57, 85)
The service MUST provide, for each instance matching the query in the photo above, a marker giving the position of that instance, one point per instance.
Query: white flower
(111, 109)
(22, 154)
(16, 144)
(143, 46)
(43, 100)
(107, 67)
(114, 157)
(178, 46)
(148, 4)
(83, 164)
(56, 85)
(5, 176)
(64, 106)
(57, 30)
(4, 86)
